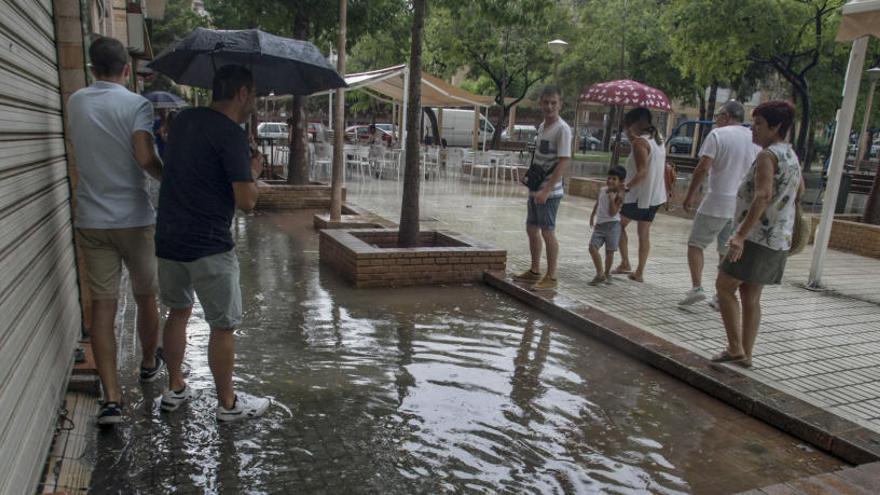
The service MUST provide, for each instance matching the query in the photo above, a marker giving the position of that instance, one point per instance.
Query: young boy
(606, 229)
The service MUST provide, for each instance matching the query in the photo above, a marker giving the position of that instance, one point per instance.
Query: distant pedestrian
(112, 133)
(764, 223)
(645, 187)
(552, 154)
(725, 158)
(211, 170)
(605, 221)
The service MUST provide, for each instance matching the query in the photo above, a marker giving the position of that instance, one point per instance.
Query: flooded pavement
(430, 390)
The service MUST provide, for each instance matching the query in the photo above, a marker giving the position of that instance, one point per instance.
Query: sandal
(726, 357)
(621, 271)
(743, 363)
(635, 278)
(596, 281)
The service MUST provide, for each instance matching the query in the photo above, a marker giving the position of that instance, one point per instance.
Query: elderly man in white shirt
(725, 157)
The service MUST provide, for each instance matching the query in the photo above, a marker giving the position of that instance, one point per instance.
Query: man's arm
(246, 193)
(145, 153)
(697, 178)
(595, 208)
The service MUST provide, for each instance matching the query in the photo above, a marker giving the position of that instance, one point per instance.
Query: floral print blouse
(776, 225)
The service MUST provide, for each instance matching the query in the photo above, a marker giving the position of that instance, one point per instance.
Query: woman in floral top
(765, 212)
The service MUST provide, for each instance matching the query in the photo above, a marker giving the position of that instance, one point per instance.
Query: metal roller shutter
(39, 299)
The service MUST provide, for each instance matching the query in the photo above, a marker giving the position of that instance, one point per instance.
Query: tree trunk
(499, 126)
(435, 127)
(606, 136)
(297, 164)
(806, 109)
(408, 233)
(872, 208)
(709, 114)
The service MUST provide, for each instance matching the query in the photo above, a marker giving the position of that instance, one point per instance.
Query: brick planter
(280, 196)
(353, 217)
(852, 236)
(370, 258)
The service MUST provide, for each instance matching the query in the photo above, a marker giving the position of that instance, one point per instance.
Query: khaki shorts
(706, 229)
(214, 279)
(105, 250)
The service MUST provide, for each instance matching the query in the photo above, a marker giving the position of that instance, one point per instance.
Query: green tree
(504, 40)
(179, 21)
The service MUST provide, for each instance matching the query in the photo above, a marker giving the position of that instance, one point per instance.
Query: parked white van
(458, 127)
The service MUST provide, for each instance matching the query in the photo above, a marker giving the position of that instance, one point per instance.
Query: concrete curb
(831, 433)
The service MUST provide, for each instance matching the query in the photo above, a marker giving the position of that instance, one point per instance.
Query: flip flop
(726, 357)
(620, 271)
(635, 278)
(743, 363)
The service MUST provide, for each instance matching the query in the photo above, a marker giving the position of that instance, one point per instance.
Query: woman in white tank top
(646, 189)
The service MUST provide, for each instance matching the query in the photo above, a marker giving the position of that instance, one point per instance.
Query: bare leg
(174, 338)
(644, 231)
(552, 251)
(597, 261)
(103, 339)
(535, 246)
(609, 261)
(148, 328)
(624, 265)
(751, 315)
(725, 288)
(221, 359)
(695, 263)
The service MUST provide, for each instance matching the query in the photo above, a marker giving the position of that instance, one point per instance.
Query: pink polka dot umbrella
(627, 93)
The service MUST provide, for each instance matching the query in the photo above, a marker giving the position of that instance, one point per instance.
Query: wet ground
(432, 390)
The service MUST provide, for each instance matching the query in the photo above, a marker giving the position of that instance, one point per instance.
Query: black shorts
(633, 212)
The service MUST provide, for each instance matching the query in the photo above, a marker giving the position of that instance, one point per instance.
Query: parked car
(680, 145)
(318, 132)
(361, 133)
(590, 143)
(391, 128)
(276, 131)
(521, 132)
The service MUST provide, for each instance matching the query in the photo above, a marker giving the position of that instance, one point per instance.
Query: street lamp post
(864, 143)
(557, 47)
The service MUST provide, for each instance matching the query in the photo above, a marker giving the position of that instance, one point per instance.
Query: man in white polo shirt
(725, 157)
(112, 133)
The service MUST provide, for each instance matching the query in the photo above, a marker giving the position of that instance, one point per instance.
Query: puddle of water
(427, 390)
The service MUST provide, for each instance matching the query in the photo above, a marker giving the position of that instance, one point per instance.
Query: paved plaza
(823, 347)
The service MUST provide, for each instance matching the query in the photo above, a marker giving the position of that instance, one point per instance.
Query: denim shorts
(214, 279)
(633, 212)
(607, 234)
(544, 215)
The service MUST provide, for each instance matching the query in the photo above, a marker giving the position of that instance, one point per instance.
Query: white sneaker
(244, 407)
(694, 295)
(172, 400)
(714, 303)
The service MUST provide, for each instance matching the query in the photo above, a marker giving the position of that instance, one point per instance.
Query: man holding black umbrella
(210, 171)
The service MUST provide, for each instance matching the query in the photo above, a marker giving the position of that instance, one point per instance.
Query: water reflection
(426, 391)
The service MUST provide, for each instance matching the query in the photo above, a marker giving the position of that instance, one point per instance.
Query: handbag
(535, 175)
(800, 235)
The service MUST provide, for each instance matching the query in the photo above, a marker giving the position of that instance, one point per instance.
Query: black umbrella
(280, 65)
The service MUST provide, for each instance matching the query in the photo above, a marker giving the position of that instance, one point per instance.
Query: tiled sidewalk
(823, 347)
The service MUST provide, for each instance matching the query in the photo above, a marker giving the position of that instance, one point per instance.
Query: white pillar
(838, 157)
(485, 128)
(405, 109)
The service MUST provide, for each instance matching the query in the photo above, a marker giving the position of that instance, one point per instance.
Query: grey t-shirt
(551, 144)
(112, 190)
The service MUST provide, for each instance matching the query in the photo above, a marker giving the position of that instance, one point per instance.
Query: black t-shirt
(206, 152)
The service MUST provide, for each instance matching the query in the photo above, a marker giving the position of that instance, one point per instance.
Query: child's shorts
(607, 234)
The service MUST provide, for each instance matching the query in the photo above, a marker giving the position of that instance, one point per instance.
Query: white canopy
(390, 84)
(861, 19)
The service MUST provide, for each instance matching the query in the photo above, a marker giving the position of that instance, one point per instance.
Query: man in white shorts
(725, 157)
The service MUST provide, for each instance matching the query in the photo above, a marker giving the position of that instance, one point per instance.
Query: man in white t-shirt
(552, 154)
(725, 157)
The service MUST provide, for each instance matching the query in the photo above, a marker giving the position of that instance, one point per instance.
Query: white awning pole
(485, 128)
(838, 157)
(405, 111)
